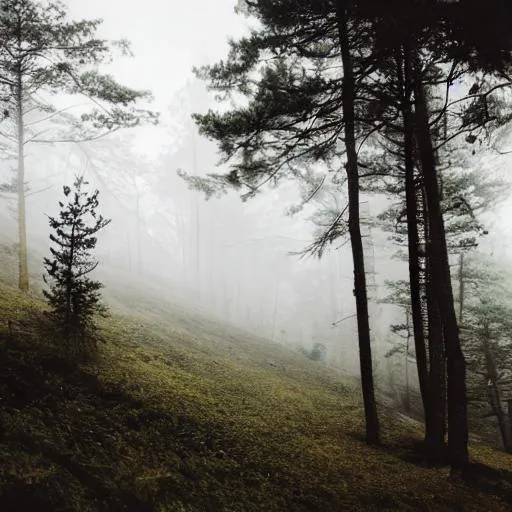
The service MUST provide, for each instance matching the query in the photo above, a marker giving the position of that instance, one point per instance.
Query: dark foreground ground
(181, 414)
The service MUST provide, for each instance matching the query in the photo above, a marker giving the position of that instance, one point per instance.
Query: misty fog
(232, 259)
(255, 255)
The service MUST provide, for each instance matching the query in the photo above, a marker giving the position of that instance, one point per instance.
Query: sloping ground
(180, 414)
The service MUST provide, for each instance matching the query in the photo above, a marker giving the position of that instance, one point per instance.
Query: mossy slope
(181, 414)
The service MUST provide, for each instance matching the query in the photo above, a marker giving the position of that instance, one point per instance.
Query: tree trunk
(68, 318)
(211, 257)
(363, 325)
(23, 281)
(333, 284)
(276, 308)
(435, 435)
(129, 250)
(509, 417)
(436, 432)
(494, 392)
(198, 224)
(461, 287)
(183, 241)
(407, 394)
(138, 228)
(441, 282)
(412, 233)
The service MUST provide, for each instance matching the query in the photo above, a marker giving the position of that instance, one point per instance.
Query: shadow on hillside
(490, 480)
(477, 476)
(46, 402)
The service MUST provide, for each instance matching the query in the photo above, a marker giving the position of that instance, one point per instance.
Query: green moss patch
(182, 416)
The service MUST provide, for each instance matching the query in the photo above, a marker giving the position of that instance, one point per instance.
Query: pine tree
(74, 297)
(298, 111)
(43, 53)
(300, 107)
(399, 297)
(486, 334)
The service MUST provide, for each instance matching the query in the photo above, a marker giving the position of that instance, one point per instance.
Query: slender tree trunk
(363, 325)
(198, 222)
(407, 395)
(225, 300)
(494, 391)
(509, 418)
(236, 303)
(461, 287)
(23, 281)
(248, 316)
(276, 308)
(69, 323)
(211, 259)
(137, 225)
(441, 281)
(183, 242)
(333, 284)
(412, 234)
(129, 250)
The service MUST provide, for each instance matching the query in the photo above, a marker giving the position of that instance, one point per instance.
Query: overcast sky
(168, 38)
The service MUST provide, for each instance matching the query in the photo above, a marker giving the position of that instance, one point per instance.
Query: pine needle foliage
(74, 298)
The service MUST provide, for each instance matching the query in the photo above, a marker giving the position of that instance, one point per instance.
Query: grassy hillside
(181, 414)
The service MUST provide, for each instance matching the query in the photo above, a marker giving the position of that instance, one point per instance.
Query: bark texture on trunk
(441, 282)
(435, 437)
(493, 390)
(412, 231)
(407, 394)
(363, 325)
(461, 287)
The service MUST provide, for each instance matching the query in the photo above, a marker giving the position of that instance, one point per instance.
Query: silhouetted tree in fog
(74, 297)
(296, 116)
(325, 66)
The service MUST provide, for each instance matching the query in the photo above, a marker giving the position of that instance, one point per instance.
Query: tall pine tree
(299, 111)
(43, 53)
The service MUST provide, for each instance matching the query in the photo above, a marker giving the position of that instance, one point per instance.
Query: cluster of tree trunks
(311, 111)
(442, 372)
